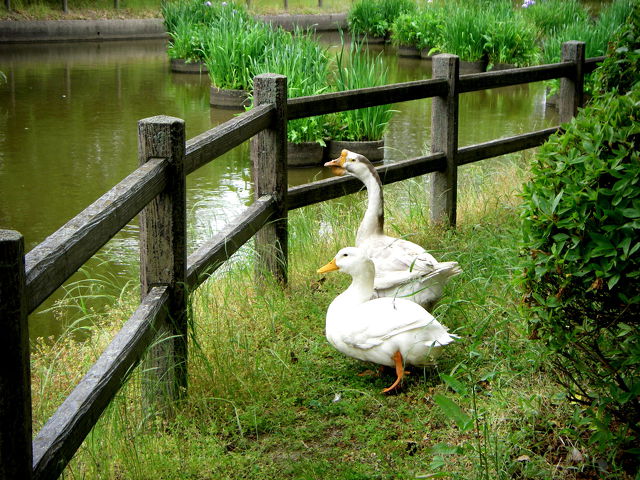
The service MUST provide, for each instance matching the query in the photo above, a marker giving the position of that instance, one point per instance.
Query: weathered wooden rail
(156, 333)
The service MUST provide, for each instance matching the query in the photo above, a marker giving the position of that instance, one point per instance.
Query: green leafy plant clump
(421, 30)
(581, 230)
(374, 18)
(305, 63)
(358, 70)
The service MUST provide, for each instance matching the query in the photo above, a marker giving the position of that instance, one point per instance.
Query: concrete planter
(305, 154)
(179, 65)
(224, 98)
(502, 66)
(370, 40)
(473, 67)
(373, 150)
(408, 51)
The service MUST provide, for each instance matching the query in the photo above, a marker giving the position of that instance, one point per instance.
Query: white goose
(403, 269)
(387, 331)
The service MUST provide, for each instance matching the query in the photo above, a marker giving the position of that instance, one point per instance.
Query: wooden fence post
(65, 7)
(163, 261)
(269, 158)
(7, 4)
(571, 93)
(444, 138)
(16, 454)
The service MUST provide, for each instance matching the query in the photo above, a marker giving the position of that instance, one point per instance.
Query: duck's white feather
(374, 330)
(403, 268)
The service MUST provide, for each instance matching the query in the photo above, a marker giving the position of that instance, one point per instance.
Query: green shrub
(620, 68)
(581, 230)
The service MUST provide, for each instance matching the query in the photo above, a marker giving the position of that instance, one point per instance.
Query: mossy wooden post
(16, 453)
(572, 88)
(163, 260)
(444, 138)
(269, 158)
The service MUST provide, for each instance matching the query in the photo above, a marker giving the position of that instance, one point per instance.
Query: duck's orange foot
(400, 372)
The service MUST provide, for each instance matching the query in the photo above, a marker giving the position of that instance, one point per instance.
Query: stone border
(72, 30)
(12, 31)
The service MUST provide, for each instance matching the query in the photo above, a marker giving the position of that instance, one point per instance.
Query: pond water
(68, 133)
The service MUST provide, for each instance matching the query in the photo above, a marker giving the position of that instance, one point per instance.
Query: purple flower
(224, 4)
(207, 3)
(528, 3)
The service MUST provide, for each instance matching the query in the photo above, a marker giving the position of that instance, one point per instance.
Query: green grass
(270, 398)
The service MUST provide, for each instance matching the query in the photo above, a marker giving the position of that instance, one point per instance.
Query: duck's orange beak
(337, 165)
(329, 267)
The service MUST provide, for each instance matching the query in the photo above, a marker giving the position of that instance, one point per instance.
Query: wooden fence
(156, 190)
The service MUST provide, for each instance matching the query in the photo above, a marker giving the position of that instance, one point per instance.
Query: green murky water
(68, 133)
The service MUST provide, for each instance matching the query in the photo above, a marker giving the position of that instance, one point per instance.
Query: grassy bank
(270, 398)
(90, 9)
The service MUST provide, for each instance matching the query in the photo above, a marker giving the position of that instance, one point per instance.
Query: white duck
(403, 269)
(386, 331)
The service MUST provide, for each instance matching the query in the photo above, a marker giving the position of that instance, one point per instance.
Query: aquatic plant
(464, 32)
(359, 69)
(422, 29)
(234, 45)
(511, 39)
(187, 41)
(551, 16)
(374, 18)
(188, 22)
(197, 12)
(306, 65)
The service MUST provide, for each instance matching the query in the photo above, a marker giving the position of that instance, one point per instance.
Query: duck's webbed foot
(397, 358)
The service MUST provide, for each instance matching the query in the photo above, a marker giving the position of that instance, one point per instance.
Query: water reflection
(68, 133)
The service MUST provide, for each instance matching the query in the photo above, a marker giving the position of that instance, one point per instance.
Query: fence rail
(156, 333)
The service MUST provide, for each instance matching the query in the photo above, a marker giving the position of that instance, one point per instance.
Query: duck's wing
(399, 261)
(381, 319)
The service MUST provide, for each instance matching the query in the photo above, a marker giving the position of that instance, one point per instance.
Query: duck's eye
(345, 254)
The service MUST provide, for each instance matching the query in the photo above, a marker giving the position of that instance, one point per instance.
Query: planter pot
(224, 98)
(373, 150)
(179, 65)
(371, 40)
(473, 67)
(408, 51)
(305, 154)
(502, 66)
(424, 53)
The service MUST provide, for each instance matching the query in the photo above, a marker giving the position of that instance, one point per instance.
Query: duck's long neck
(360, 290)
(373, 221)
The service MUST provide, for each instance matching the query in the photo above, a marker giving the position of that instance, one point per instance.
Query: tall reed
(306, 65)
(552, 16)
(234, 44)
(358, 69)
